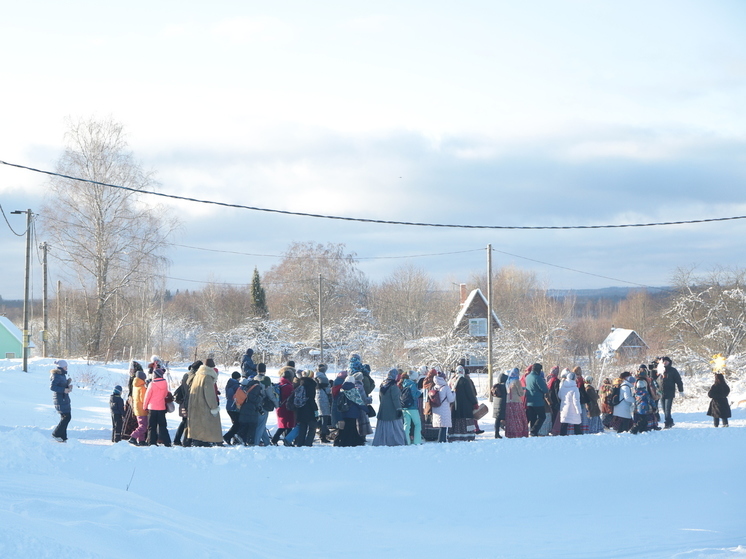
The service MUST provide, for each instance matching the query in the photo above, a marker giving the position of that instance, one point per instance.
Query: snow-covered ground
(676, 493)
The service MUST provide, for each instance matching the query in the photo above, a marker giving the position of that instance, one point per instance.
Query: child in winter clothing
(116, 404)
(719, 406)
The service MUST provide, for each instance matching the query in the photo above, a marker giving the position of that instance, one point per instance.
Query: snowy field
(677, 493)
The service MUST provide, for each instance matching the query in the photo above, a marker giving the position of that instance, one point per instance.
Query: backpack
(267, 403)
(299, 397)
(615, 398)
(406, 398)
(289, 402)
(179, 394)
(642, 401)
(433, 396)
(343, 404)
(240, 397)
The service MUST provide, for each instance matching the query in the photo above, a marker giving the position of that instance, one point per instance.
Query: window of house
(478, 327)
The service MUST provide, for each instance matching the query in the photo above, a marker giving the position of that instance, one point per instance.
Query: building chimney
(464, 294)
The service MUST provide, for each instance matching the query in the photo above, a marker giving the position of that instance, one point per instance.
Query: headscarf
(513, 377)
(341, 377)
(390, 380)
(352, 393)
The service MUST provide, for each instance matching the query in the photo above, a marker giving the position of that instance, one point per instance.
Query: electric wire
(379, 221)
(9, 225)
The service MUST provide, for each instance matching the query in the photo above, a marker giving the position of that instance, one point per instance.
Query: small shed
(623, 344)
(11, 339)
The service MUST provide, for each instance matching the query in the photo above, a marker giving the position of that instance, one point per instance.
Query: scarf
(352, 393)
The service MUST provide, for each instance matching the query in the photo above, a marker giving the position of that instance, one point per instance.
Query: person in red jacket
(155, 404)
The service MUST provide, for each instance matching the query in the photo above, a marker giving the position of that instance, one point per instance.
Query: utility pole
(26, 335)
(321, 327)
(44, 308)
(58, 348)
(489, 320)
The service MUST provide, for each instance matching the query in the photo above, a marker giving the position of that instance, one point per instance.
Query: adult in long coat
(465, 399)
(623, 410)
(442, 413)
(719, 406)
(390, 425)
(203, 418)
(516, 424)
(285, 417)
(594, 411)
(570, 413)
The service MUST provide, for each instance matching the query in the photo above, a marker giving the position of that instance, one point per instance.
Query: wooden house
(623, 345)
(471, 326)
(11, 339)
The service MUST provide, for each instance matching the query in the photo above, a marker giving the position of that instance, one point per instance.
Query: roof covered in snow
(11, 328)
(619, 337)
(475, 306)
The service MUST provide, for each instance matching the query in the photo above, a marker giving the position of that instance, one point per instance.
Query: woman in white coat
(570, 413)
(442, 413)
(623, 410)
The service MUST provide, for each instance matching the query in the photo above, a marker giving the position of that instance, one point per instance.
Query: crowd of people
(413, 406)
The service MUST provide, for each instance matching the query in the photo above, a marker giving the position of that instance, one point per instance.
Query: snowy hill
(676, 493)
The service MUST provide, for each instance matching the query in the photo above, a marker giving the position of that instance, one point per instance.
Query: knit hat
(117, 389)
(158, 373)
(141, 374)
(235, 375)
(536, 367)
(321, 368)
(261, 368)
(61, 363)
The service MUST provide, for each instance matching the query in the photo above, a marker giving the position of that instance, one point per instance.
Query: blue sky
(495, 113)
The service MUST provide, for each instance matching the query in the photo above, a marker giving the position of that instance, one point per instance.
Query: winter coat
(368, 383)
(553, 385)
(671, 380)
(604, 394)
(411, 385)
(230, 394)
(116, 404)
(155, 395)
(138, 396)
(250, 409)
(285, 417)
(203, 419)
(442, 413)
(498, 401)
(569, 396)
(248, 367)
(719, 406)
(627, 401)
(307, 412)
(355, 410)
(323, 394)
(389, 407)
(515, 394)
(536, 388)
(593, 409)
(465, 399)
(59, 382)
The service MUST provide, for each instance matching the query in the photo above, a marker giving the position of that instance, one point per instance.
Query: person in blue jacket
(61, 386)
(248, 367)
(536, 389)
(116, 405)
(230, 406)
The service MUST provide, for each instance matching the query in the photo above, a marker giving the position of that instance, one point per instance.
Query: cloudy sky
(478, 113)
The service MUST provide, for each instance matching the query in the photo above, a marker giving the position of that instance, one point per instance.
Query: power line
(380, 221)
(327, 257)
(9, 225)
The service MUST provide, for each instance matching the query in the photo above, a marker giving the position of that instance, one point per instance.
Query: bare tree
(106, 238)
(293, 286)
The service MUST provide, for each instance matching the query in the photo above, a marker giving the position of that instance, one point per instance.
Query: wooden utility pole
(26, 302)
(489, 320)
(58, 349)
(321, 327)
(44, 300)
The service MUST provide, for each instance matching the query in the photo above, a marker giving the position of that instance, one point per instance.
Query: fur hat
(61, 363)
